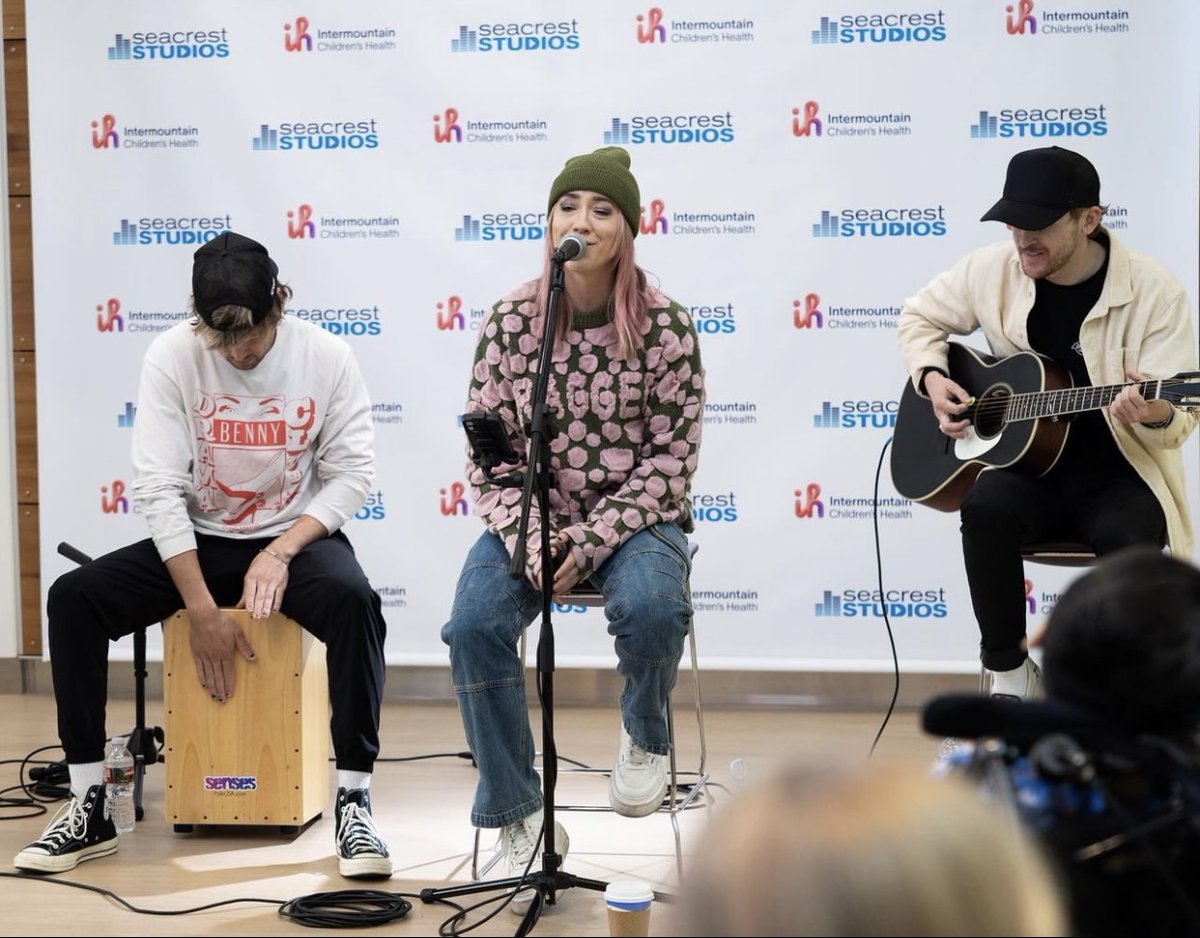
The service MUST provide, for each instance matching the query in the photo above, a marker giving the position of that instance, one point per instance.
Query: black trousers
(327, 594)
(1004, 510)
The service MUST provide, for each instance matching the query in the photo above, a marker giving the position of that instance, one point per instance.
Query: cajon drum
(262, 757)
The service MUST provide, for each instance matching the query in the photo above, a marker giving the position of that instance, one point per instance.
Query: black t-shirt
(1054, 322)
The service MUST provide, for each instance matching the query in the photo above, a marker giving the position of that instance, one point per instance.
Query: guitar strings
(999, 406)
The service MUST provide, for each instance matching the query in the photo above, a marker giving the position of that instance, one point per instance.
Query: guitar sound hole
(989, 412)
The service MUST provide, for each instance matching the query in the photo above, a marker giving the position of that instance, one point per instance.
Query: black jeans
(1004, 510)
(114, 595)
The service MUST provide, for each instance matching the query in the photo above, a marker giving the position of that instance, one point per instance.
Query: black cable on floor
(346, 908)
(39, 878)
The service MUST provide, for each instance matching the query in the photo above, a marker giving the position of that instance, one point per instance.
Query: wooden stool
(262, 757)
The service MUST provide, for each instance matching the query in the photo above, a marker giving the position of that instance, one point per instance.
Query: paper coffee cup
(628, 902)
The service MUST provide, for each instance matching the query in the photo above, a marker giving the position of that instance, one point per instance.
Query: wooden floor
(421, 806)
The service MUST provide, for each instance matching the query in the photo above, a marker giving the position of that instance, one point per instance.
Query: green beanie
(605, 171)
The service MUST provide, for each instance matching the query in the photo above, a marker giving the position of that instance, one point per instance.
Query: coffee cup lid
(631, 894)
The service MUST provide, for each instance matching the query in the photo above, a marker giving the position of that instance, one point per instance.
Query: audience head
(1123, 641)
(873, 851)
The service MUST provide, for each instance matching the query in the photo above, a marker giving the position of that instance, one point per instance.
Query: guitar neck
(1031, 406)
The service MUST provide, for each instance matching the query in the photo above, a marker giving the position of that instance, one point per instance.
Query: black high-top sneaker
(361, 851)
(80, 831)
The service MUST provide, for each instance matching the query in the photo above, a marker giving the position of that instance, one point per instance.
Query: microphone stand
(540, 431)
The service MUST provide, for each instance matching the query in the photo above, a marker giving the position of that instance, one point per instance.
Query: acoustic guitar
(1018, 421)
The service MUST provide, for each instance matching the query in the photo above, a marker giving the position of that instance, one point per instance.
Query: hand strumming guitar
(949, 399)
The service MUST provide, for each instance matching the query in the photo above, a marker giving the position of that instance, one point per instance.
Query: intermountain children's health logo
(453, 500)
(654, 221)
(518, 36)
(132, 137)
(304, 224)
(502, 226)
(171, 229)
(174, 45)
(451, 127)
(740, 413)
(1020, 20)
(810, 502)
(882, 223)
(879, 28)
(111, 318)
(806, 123)
(1085, 121)
(640, 129)
(113, 500)
(728, 599)
(388, 413)
(856, 415)
(359, 320)
(318, 135)
(393, 595)
(650, 29)
(810, 313)
(300, 36)
(450, 315)
(894, 603)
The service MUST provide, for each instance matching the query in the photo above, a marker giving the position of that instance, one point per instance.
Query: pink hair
(630, 296)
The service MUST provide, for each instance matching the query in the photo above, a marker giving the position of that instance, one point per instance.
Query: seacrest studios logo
(450, 126)
(106, 136)
(359, 320)
(520, 36)
(807, 122)
(1089, 120)
(656, 221)
(895, 603)
(304, 223)
(1020, 20)
(811, 502)
(171, 229)
(127, 417)
(715, 319)
(652, 29)
(502, 226)
(683, 128)
(301, 36)
(113, 319)
(171, 45)
(292, 136)
(919, 26)
(373, 508)
(882, 222)
(710, 508)
(810, 313)
(856, 415)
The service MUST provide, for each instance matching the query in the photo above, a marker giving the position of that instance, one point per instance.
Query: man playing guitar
(1068, 290)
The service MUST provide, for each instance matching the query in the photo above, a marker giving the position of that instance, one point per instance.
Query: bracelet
(271, 553)
(1161, 424)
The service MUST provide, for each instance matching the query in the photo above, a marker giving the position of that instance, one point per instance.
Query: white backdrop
(804, 167)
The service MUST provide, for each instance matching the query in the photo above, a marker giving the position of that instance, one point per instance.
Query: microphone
(571, 246)
(969, 716)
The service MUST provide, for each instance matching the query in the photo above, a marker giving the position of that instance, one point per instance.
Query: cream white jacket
(1141, 322)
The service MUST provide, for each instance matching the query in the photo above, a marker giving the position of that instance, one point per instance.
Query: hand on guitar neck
(1131, 407)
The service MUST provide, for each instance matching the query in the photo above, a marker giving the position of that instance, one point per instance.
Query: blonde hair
(873, 852)
(237, 322)
(630, 297)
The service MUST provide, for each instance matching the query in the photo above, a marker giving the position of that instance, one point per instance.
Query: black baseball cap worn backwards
(233, 270)
(1041, 185)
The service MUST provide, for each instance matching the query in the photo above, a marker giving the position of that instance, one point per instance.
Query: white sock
(352, 780)
(83, 776)
(1014, 682)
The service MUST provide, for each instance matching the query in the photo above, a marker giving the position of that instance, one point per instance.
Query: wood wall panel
(14, 19)
(20, 232)
(25, 387)
(16, 106)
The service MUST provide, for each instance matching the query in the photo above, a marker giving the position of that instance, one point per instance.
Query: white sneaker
(638, 782)
(520, 840)
(1021, 683)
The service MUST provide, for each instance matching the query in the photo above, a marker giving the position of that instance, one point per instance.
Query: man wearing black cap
(253, 446)
(1066, 288)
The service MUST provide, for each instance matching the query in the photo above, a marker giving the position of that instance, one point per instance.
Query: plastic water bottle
(118, 785)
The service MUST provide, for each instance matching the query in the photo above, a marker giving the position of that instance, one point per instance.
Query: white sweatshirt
(244, 453)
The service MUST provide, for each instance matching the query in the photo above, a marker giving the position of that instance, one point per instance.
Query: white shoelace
(358, 834)
(69, 824)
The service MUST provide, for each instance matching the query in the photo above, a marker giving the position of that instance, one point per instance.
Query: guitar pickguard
(973, 446)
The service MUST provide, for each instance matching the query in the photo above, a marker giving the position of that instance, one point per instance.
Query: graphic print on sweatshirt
(251, 455)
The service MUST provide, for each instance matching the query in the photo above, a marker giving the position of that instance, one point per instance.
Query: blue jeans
(648, 607)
